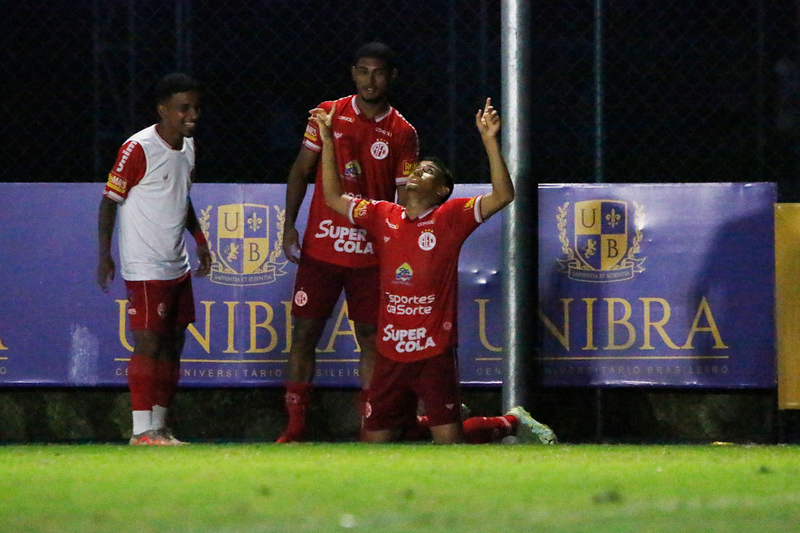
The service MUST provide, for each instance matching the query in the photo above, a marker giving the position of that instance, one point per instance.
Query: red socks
(165, 381)
(483, 430)
(296, 400)
(151, 382)
(141, 370)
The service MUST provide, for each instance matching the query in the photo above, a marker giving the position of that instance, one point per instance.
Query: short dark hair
(444, 173)
(175, 83)
(377, 50)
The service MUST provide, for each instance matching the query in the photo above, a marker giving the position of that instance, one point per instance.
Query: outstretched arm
(488, 122)
(332, 187)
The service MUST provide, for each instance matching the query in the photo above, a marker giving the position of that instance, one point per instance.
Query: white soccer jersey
(151, 181)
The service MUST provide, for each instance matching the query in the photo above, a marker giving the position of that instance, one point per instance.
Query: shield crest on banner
(243, 237)
(601, 233)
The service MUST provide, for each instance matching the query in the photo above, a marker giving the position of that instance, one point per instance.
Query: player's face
(372, 79)
(179, 114)
(426, 179)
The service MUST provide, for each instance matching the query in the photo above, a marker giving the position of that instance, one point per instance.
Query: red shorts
(161, 306)
(317, 286)
(397, 387)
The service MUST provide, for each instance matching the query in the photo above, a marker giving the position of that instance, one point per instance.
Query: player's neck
(417, 205)
(372, 109)
(174, 139)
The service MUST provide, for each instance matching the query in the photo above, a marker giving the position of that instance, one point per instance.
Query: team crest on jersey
(427, 240)
(403, 273)
(379, 150)
(352, 170)
(605, 240)
(245, 243)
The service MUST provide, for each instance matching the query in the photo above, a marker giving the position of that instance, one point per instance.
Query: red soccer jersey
(374, 156)
(418, 314)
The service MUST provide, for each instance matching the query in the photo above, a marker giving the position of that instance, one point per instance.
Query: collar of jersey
(420, 217)
(357, 111)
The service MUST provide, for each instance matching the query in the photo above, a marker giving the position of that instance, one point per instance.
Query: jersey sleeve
(463, 214)
(409, 154)
(128, 170)
(365, 212)
(311, 138)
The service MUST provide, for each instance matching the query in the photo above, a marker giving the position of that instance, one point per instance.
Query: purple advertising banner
(669, 285)
(57, 328)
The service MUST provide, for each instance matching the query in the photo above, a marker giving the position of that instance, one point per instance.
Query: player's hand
(205, 261)
(488, 120)
(291, 244)
(105, 272)
(324, 121)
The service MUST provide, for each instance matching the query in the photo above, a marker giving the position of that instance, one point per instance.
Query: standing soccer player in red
(376, 149)
(418, 245)
(149, 188)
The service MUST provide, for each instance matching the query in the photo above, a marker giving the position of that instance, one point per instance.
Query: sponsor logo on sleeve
(115, 183)
(360, 211)
(126, 153)
(311, 133)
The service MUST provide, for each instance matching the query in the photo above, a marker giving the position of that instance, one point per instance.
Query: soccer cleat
(529, 431)
(170, 438)
(150, 437)
(289, 436)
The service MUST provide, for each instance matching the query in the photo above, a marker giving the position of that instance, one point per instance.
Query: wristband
(200, 237)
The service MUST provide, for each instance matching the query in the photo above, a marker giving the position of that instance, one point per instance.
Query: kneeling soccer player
(418, 247)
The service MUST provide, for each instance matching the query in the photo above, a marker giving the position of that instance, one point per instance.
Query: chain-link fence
(623, 90)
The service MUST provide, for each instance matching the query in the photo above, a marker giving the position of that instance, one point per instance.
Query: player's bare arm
(106, 218)
(334, 192)
(296, 186)
(203, 254)
(488, 122)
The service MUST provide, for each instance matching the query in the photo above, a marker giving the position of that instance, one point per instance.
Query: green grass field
(340, 487)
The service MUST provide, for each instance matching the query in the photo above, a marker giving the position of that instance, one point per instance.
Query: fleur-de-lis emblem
(613, 218)
(254, 221)
(590, 248)
(232, 252)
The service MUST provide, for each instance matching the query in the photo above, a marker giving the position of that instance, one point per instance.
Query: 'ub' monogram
(601, 233)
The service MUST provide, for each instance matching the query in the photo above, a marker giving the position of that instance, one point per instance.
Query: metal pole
(96, 120)
(452, 86)
(520, 299)
(599, 96)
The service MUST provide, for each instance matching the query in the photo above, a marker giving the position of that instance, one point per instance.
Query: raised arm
(332, 187)
(488, 122)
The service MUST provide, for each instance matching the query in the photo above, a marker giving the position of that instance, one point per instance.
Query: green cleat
(529, 431)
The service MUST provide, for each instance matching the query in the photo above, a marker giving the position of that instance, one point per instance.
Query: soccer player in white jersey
(376, 149)
(148, 191)
(418, 245)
